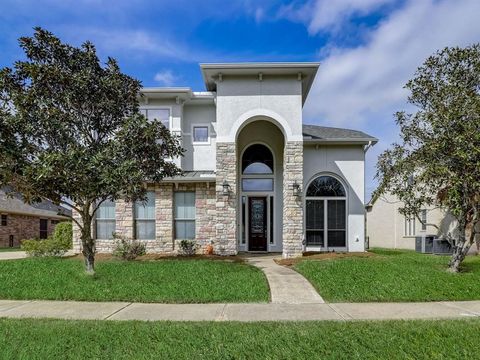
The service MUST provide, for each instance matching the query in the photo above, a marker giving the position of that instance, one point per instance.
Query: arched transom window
(326, 217)
(257, 168)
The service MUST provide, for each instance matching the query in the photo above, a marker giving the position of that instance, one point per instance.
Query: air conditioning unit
(424, 244)
(442, 247)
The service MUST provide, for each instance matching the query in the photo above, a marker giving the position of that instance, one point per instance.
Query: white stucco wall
(199, 156)
(242, 98)
(347, 163)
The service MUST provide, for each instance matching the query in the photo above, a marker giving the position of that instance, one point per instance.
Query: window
(409, 226)
(163, 115)
(4, 220)
(326, 213)
(43, 228)
(200, 134)
(54, 222)
(423, 214)
(145, 218)
(184, 215)
(257, 184)
(105, 220)
(257, 159)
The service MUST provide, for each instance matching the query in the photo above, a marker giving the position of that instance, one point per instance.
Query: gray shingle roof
(316, 133)
(13, 203)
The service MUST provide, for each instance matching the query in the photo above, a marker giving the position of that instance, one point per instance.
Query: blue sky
(368, 49)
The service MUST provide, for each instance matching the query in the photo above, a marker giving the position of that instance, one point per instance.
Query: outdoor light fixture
(296, 189)
(226, 188)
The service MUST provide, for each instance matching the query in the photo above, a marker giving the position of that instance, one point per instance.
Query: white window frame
(192, 134)
(175, 218)
(409, 230)
(160, 107)
(423, 216)
(105, 219)
(136, 219)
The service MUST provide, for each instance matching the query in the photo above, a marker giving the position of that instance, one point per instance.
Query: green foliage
(71, 129)
(174, 280)
(188, 247)
(437, 161)
(46, 248)
(128, 249)
(63, 234)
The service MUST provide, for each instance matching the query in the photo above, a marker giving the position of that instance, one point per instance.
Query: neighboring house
(387, 228)
(256, 178)
(20, 221)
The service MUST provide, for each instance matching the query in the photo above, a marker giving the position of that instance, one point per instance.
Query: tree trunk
(460, 251)
(88, 244)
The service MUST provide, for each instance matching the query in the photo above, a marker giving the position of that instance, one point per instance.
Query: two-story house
(256, 178)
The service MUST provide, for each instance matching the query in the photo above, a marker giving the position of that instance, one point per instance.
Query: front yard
(50, 339)
(392, 275)
(164, 281)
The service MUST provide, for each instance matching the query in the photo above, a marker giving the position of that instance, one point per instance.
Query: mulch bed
(322, 256)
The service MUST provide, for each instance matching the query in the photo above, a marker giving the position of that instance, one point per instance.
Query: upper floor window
(163, 115)
(105, 220)
(145, 218)
(200, 134)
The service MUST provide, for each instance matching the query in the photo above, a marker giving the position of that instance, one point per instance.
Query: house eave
(359, 141)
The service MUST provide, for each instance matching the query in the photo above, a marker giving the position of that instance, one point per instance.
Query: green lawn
(60, 339)
(392, 275)
(167, 281)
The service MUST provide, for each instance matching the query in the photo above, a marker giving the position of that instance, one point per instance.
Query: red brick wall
(21, 227)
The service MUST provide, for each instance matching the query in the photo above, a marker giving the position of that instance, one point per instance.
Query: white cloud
(165, 77)
(362, 87)
(359, 83)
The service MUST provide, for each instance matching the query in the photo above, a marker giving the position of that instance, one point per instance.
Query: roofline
(256, 65)
(342, 141)
(27, 213)
(165, 90)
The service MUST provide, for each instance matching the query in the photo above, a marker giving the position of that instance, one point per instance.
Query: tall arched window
(257, 168)
(326, 218)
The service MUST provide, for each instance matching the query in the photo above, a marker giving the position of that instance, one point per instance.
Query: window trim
(175, 218)
(153, 220)
(192, 132)
(161, 107)
(114, 219)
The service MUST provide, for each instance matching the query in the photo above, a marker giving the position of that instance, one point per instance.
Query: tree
(437, 161)
(71, 132)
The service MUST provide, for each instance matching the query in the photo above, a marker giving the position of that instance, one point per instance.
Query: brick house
(20, 221)
(256, 178)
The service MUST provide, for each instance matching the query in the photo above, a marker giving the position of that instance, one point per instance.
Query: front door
(257, 233)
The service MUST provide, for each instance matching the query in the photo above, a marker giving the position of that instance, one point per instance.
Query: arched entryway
(326, 214)
(260, 182)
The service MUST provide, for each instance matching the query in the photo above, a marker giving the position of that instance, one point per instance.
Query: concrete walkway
(286, 285)
(237, 312)
(12, 255)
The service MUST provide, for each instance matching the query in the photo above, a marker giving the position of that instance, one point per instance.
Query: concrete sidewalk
(12, 255)
(237, 312)
(286, 285)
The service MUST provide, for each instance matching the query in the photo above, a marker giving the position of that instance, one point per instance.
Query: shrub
(45, 248)
(128, 249)
(188, 247)
(63, 234)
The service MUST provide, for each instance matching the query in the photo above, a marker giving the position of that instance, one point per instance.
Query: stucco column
(292, 205)
(226, 239)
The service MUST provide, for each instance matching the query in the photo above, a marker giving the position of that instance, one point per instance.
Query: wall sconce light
(296, 189)
(226, 188)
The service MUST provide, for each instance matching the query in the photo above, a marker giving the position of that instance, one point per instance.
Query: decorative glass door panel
(257, 223)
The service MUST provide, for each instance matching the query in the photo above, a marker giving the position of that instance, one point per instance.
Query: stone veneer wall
(226, 223)
(164, 243)
(22, 227)
(292, 206)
